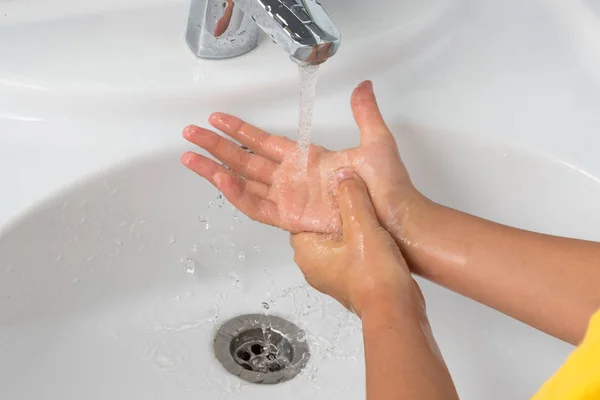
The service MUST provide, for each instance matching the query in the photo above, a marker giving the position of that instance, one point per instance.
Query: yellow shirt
(579, 377)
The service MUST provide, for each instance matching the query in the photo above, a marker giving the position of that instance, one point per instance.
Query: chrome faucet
(219, 29)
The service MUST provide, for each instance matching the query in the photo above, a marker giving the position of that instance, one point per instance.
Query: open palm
(265, 183)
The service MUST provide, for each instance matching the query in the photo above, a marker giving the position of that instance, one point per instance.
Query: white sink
(493, 107)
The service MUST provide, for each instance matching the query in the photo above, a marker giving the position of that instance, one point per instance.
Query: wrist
(400, 300)
(413, 229)
(412, 212)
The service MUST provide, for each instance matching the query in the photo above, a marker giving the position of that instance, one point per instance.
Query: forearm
(548, 282)
(402, 358)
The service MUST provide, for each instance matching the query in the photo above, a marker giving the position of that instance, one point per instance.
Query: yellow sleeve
(579, 377)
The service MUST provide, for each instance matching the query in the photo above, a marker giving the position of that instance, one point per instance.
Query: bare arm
(366, 272)
(402, 358)
(548, 282)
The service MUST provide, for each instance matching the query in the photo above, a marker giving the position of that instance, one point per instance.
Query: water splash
(188, 264)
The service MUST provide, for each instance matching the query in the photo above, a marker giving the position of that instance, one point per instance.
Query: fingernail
(220, 119)
(188, 131)
(343, 174)
(368, 85)
(186, 158)
(214, 117)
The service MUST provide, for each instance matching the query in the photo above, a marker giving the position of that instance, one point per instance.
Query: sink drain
(261, 348)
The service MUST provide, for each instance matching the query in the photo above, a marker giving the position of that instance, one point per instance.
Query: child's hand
(362, 266)
(265, 186)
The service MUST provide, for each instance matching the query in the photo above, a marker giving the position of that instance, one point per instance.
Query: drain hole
(261, 349)
(256, 349)
(244, 355)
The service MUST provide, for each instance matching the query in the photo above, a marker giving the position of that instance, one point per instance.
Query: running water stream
(308, 83)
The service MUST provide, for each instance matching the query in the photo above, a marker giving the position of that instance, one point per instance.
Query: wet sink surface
(124, 280)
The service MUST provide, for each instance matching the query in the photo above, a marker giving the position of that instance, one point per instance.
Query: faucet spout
(228, 28)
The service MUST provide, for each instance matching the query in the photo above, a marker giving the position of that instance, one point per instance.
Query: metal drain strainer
(261, 348)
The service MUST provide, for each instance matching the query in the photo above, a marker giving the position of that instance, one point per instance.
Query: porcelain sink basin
(118, 266)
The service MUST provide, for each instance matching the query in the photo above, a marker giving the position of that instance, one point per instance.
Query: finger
(209, 169)
(356, 208)
(248, 165)
(273, 147)
(368, 117)
(312, 248)
(235, 189)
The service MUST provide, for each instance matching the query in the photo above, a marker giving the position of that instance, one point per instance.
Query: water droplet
(122, 224)
(257, 248)
(235, 278)
(75, 281)
(172, 240)
(90, 258)
(204, 219)
(194, 248)
(220, 200)
(214, 244)
(188, 264)
(113, 192)
(241, 256)
(58, 258)
(266, 305)
(118, 242)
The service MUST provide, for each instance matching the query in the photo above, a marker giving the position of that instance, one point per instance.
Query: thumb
(356, 209)
(367, 115)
